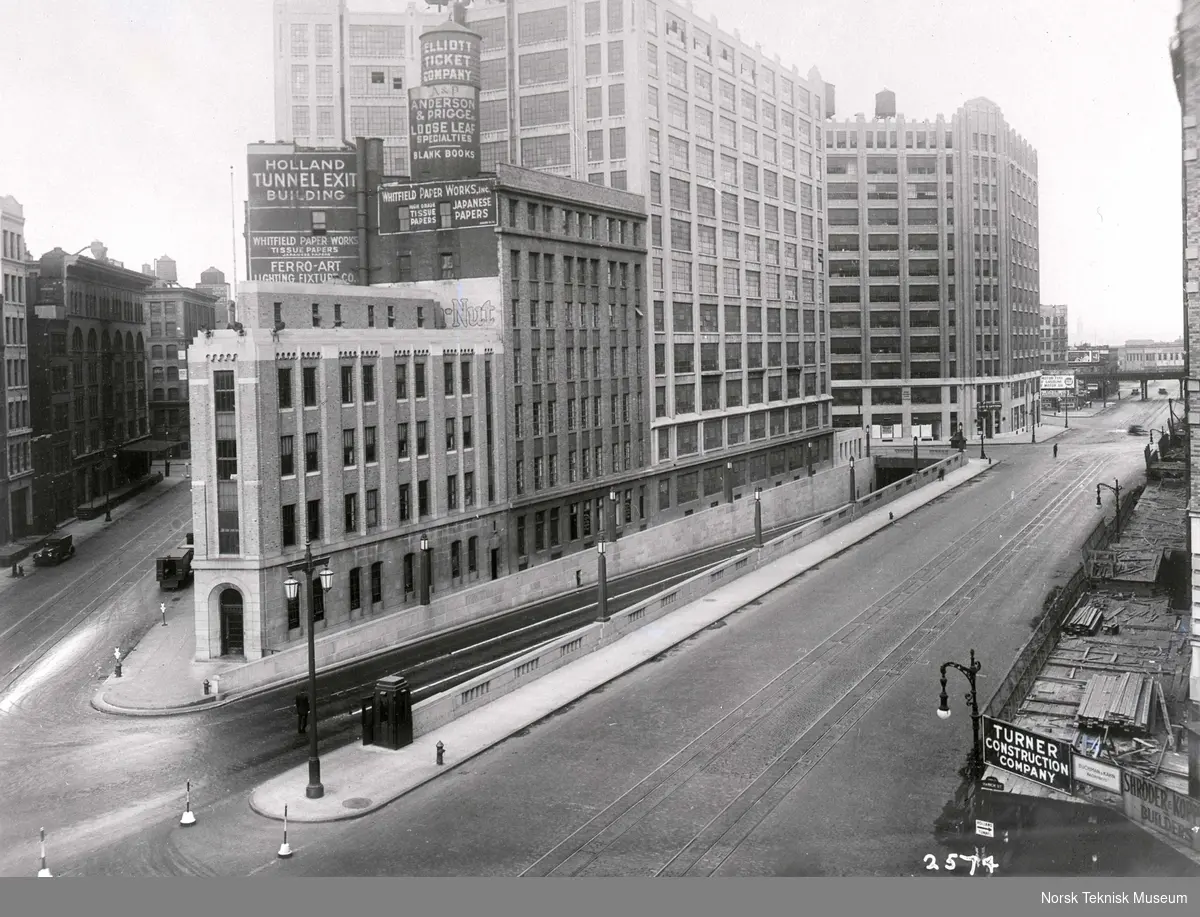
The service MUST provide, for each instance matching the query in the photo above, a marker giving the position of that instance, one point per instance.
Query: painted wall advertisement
(316, 180)
(467, 303)
(1027, 754)
(300, 217)
(444, 131)
(450, 55)
(1160, 808)
(301, 257)
(426, 206)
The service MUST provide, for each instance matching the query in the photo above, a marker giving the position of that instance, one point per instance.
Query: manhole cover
(357, 802)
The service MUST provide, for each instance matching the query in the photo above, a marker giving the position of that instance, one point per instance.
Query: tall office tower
(1185, 58)
(933, 272)
(724, 143)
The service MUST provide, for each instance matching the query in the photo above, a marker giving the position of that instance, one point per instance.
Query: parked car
(55, 550)
(1163, 391)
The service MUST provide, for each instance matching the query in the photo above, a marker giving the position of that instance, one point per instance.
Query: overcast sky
(123, 119)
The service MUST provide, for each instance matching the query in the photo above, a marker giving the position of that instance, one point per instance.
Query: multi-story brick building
(1185, 58)
(366, 421)
(1148, 356)
(212, 282)
(87, 380)
(724, 143)
(933, 272)
(175, 315)
(16, 457)
(1053, 335)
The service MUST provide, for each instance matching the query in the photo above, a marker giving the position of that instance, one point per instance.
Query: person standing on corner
(1056, 450)
(302, 712)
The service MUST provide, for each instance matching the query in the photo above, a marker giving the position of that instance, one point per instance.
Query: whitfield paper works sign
(1035, 757)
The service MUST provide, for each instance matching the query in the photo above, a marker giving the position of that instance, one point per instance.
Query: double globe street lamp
(291, 588)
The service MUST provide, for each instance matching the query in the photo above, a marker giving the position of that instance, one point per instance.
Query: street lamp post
(112, 467)
(612, 515)
(728, 482)
(867, 436)
(758, 540)
(291, 588)
(853, 487)
(602, 577)
(426, 572)
(1115, 487)
(982, 454)
(916, 460)
(943, 710)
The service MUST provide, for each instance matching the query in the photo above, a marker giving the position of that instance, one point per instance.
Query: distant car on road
(1137, 429)
(1163, 391)
(56, 549)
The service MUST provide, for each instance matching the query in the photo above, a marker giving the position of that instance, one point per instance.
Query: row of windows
(731, 431)
(683, 318)
(457, 378)
(582, 464)
(547, 524)
(545, 416)
(370, 455)
(353, 523)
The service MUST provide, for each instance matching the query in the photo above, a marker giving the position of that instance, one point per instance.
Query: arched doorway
(232, 628)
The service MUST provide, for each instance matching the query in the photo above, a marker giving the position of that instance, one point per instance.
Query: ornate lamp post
(602, 578)
(853, 487)
(758, 538)
(291, 588)
(943, 711)
(426, 571)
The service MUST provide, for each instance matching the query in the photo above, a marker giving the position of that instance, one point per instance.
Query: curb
(352, 814)
(213, 702)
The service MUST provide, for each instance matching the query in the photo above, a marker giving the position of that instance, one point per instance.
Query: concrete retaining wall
(443, 708)
(706, 529)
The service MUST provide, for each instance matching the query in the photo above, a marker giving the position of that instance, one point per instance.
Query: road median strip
(559, 672)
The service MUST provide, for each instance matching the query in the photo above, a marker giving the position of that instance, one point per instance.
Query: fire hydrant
(117, 656)
(441, 753)
(207, 686)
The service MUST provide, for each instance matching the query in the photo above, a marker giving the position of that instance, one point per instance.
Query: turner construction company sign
(1035, 757)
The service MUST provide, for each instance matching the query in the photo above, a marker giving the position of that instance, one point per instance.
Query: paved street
(796, 738)
(60, 627)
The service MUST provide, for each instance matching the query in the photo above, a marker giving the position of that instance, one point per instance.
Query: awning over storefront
(150, 445)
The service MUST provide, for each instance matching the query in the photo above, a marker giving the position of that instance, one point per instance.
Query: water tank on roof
(885, 104)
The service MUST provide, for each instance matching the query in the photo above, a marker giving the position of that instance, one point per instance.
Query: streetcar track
(134, 575)
(639, 801)
(724, 834)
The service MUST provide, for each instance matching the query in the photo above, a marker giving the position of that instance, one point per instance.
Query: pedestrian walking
(941, 474)
(168, 469)
(1056, 450)
(302, 712)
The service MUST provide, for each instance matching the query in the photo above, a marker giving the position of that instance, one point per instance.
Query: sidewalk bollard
(162, 607)
(188, 818)
(441, 753)
(44, 872)
(891, 518)
(117, 656)
(285, 849)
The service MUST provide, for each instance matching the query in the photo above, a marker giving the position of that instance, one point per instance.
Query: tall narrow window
(225, 404)
(285, 388)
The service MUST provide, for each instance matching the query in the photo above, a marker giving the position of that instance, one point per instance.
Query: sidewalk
(367, 778)
(83, 529)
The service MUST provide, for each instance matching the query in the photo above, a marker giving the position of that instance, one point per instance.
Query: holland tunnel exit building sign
(1027, 754)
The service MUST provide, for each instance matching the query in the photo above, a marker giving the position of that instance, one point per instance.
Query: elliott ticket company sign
(1035, 757)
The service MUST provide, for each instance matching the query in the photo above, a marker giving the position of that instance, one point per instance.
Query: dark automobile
(54, 551)
(1137, 430)
(1162, 391)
